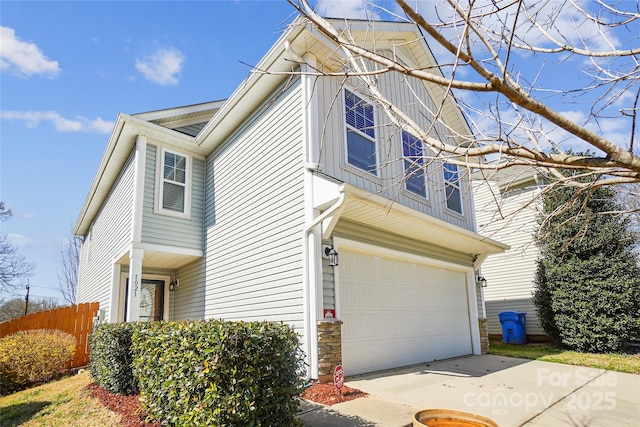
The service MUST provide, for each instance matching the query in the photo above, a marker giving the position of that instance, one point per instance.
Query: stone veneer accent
(329, 348)
(484, 336)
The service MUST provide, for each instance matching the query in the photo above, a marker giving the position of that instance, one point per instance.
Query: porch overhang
(162, 257)
(379, 212)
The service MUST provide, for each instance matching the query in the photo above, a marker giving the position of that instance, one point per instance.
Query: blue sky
(68, 69)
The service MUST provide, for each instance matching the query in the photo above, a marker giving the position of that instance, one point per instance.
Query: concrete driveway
(510, 391)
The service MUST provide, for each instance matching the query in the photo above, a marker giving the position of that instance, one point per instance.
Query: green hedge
(112, 356)
(32, 357)
(215, 373)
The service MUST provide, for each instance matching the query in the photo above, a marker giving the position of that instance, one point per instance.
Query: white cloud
(563, 21)
(61, 124)
(26, 215)
(162, 67)
(352, 9)
(22, 58)
(21, 240)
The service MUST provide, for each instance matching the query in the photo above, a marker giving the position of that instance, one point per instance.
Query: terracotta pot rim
(452, 414)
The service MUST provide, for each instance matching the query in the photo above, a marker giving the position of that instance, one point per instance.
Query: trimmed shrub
(587, 290)
(590, 305)
(215, 373)
(111, 357)
(32, 357)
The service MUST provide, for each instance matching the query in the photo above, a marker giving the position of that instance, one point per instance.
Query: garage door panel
(379, 326)
(398, 313)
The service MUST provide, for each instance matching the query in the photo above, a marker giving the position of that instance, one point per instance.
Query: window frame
(407, 163)
(160, 180)
(452, 184)
(374, 171)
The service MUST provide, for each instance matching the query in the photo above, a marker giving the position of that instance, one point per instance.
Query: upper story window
(174, 188)
(361, 136)
(452, 187)
(414, 166)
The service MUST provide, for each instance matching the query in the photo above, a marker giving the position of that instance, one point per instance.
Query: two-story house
(507, 204)
(238, 209)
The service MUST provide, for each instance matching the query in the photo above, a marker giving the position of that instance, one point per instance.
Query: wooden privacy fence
(76, 320)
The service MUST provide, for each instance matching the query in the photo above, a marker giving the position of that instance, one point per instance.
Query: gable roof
(200, 128)
(189, 119)
(300, 38)
(174, 126)
(512, 177)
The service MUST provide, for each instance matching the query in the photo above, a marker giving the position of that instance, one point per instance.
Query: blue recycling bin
(513, 327)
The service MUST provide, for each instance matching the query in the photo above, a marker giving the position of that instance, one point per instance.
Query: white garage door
(399, 313)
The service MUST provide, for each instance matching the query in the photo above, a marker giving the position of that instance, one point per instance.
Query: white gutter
(79, 228)
(251, 92)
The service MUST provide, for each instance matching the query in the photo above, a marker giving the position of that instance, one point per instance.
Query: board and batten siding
(510, 275)
(110, 234)
(255, 217)
(168, 230)
(401, 90)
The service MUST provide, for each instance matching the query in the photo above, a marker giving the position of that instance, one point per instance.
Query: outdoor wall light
(331, 253)
(173, 285)
(482, 281)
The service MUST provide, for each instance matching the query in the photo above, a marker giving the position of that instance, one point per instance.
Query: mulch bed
(128, 407)
(328, 394)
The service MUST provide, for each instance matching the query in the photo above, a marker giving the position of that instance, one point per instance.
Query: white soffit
(381, 213)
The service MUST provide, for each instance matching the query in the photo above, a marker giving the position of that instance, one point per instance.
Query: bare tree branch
(13, 266)
(618, 165)
(68, 269)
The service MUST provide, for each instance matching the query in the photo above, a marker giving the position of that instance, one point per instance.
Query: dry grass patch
(611, 362)
(60, 403)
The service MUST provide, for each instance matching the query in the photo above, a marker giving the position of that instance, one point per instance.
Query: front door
(151, 300)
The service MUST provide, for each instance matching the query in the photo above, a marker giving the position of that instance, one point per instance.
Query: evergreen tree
(588, 277)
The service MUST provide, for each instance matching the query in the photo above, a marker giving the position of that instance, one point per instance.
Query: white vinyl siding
(524, 305)
(255, 217)
(328, 286)
(188, 298)
(173, 230)
(510, 275)
(110, 235)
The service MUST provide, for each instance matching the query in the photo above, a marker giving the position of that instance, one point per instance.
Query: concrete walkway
(510, 391)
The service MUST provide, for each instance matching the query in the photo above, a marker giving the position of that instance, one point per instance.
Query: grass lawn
(629, 363)
(66, 402)
(60, 403)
